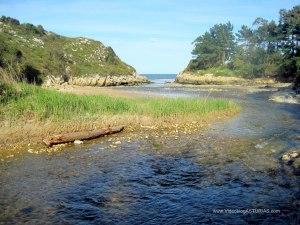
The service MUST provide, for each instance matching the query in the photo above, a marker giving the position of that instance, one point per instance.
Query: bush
(33, 29)
(111, 56)
(288, 69)
(8, 92)
(7, 19)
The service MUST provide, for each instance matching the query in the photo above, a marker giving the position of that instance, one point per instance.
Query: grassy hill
(34, 53)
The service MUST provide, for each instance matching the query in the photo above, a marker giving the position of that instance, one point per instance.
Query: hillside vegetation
(267, 49)
(32, 53)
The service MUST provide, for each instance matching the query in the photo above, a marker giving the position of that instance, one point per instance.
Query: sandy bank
(92, 90)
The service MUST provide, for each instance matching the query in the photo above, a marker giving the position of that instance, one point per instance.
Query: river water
(228, 174)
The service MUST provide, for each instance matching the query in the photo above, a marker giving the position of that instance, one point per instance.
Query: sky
(154, 36)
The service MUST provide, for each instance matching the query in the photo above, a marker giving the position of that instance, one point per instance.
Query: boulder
(290, 157)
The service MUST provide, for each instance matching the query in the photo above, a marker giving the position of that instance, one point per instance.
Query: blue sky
(154, 36)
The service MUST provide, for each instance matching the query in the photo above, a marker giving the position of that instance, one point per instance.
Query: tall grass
(41, 104)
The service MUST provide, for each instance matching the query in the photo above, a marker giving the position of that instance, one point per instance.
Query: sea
(160, 78)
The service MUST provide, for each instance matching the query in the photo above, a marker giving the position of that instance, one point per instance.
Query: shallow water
(233, 165)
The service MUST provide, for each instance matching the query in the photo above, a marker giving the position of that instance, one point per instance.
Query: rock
(97, 80)
(296, 163)
(188, 77)
(290, 157)
(78, 142)
(285, 96)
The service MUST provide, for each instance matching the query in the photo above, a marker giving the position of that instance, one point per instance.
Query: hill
(32, 53)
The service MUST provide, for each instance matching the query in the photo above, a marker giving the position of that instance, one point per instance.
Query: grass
(42, 105)
(29, 113)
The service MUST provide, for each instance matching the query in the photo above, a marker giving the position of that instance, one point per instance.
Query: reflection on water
(234, 165)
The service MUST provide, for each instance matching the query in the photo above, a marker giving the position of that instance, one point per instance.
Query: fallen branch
(84, 135)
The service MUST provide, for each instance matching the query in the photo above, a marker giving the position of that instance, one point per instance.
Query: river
(228, 174)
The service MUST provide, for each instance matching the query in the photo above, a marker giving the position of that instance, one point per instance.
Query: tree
(289, 24)
(8, 19)
(245, 36)
(289, 27)
(257, 53)
(214, 48)
(266, 49)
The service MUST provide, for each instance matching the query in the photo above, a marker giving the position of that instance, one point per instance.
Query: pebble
(78, 142)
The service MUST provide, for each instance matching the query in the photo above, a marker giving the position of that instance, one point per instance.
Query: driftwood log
(84, 135)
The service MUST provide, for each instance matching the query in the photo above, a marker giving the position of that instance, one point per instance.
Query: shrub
(8, 92)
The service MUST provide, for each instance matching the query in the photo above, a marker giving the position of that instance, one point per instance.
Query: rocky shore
(210, 79)
(97, 80)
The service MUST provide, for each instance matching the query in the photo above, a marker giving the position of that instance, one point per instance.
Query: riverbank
(35, 112)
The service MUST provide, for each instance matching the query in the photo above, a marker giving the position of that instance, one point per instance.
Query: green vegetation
(42, 104)
(31, 53)
(218, 71)
(29, 113)
(214, 48)
(267, 49)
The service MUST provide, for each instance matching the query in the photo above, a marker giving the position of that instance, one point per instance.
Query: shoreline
(28, 137)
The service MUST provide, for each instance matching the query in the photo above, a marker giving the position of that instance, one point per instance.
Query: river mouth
(234, 165)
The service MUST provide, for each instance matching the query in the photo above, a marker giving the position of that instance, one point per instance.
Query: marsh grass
(41, 104)
(36, 112)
